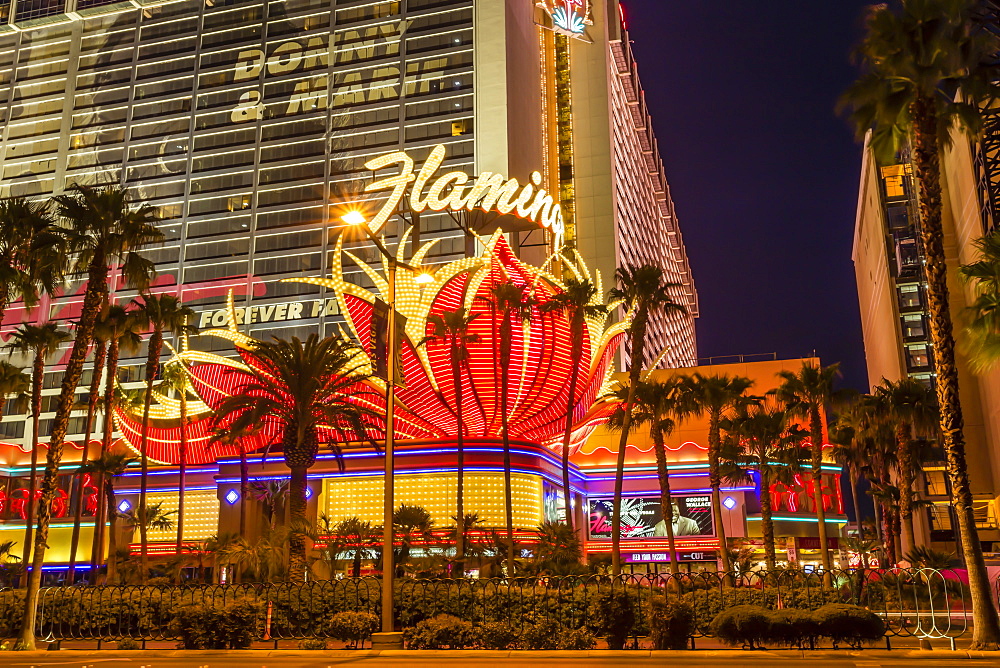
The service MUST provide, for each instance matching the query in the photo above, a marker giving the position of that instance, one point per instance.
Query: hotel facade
(888, 262)
(251, 127)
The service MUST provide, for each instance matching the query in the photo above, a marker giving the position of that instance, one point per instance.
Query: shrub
(128, 644)
(545, 633)
(312, 643)
(580, 638)
(497, 635)
(792, 628)
(354, 627)
(849, 623)
(442, 631)
(671, 623)
(233, 626)
(747, 625)
(613, 612)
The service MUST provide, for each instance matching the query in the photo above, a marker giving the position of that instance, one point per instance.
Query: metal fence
(921, 603)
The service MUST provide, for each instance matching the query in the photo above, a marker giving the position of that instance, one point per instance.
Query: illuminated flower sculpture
(540, 367)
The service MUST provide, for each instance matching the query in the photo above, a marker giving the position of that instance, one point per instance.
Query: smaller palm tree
(579, 301)
(558, 551)
(761, 436)
(107, 468)
(307, 391)
(411, 523)
(982, 333)
(162, 313)
(156, 518)
(40, 342)
(451, 328)
(13, 381)
(272, 495)
(359, 540)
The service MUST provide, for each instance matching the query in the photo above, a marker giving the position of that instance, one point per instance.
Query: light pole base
(387, 640)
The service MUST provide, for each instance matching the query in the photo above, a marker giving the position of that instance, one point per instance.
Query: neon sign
(491, 192)
(569, 17)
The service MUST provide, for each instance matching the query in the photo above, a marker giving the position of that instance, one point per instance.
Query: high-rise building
(889, 267)
(248, 124)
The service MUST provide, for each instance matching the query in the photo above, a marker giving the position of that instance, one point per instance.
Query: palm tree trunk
(100, 350)
(927, 168)
(112, 510)
(576, 355)
(816, 435)
(715, 482)
(634, 373)
(297, 511)
(505, 354)
(666, 501)
(853, 475)
(460, 489)
(109, 423)
(244, 489)
(182, 465)
(905, 465)
(37, 374)
(96, 295)
(152, 368)
(766, 520)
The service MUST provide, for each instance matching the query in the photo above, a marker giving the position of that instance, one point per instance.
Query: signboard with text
(642, 517)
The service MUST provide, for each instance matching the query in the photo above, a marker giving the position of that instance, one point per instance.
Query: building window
(909, 296)
(913, 326)
(940, 517)
(935, 483)
(918, 357)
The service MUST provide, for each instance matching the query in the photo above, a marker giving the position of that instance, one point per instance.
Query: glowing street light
(355, 218)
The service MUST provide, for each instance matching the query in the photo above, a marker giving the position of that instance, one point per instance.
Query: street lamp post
(356, 218)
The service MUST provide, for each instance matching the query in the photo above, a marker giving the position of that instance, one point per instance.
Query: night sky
(763, 172)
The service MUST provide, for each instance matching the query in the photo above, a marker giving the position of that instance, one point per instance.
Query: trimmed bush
(128, 644)
(441, 632)
(312, 643)
(580, 638)
(792, 628)
(671, 623)
(497, 635)
(849, 624)
(233, 626)
(354, 627)
(746, 625)
(547, 634)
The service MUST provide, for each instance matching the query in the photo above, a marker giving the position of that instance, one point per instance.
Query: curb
(722, 655)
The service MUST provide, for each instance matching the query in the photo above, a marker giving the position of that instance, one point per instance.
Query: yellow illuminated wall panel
(484, 494)
(201, 515)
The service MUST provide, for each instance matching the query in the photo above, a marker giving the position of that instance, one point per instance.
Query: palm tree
(808, 393)
(558, 551)
(101, 229)
(983, 330)
(646, 293)
(657, 404)
(154, 517)
(175, 378)
(121, 329)
(927, 67)
(715, 396)
(107, 468)
(911, 406)
(234, 438)
(298, 386)
(580, 301)
(272, 495)
(358, 539)
(32, 251)
(410, 522)
(848, 453)
(513, 303)
(13, 380)
(40, 342)
(100, 352)
(452, 329)
(162, 313)
(761, 436)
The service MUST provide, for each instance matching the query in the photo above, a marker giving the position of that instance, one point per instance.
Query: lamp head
(354, 218)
